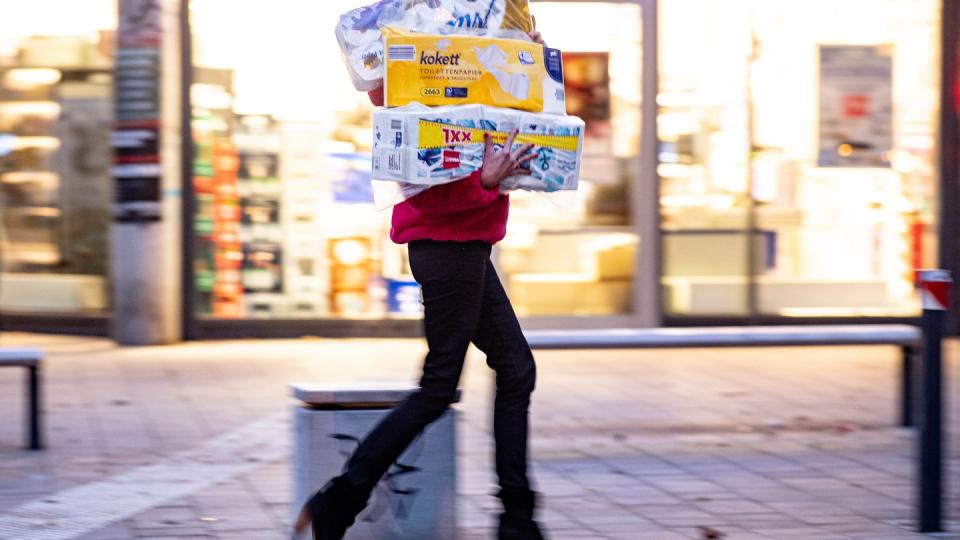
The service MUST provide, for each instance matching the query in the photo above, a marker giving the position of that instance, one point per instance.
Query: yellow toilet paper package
(438, 70)
(358, 31)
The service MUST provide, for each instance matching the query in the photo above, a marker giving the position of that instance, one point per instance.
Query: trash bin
(416, 499)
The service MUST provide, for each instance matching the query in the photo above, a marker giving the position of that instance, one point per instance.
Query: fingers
(521, 151)
(487, 144)
(509, 144)
(535, 34)
(520, 169)
(526, 159)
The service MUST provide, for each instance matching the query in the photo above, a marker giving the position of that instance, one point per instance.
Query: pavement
(193, 441)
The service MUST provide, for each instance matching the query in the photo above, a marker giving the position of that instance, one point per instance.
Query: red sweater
(460, 211)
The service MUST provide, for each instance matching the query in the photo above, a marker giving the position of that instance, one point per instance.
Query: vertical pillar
(146, 239)
(648, 293)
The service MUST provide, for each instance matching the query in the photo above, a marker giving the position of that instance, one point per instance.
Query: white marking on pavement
(79, 510)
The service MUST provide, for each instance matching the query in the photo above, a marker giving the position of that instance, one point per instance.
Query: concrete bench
(907, 337)
(29, 359)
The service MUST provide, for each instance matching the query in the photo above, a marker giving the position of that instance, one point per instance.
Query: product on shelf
(261, 232)
(351, 271)
(304, 192)
(358, 31)
(262, 267)
(420, 145)
(54, 169)
(403, 296)
(228, 250)
(436, 69)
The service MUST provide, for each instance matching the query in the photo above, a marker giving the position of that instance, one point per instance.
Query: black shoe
(516, 521)
(329, 512)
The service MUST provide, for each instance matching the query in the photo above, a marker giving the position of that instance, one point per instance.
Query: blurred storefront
(799, 159)
(56, 110)
(286, 234)
(787, 171)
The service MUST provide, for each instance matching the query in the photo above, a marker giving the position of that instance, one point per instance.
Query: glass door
(56, 116)
(703, 161)
(576, 255)
(846, 99)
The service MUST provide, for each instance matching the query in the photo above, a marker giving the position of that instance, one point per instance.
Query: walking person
(450, 230)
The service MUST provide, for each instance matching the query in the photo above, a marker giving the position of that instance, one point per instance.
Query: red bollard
(935, 287)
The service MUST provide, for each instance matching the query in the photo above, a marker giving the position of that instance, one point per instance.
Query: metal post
(948, 149)
(936, 294)
(908, 382)
(33, 408)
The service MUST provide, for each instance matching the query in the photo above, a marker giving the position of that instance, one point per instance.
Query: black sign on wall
(136, 138)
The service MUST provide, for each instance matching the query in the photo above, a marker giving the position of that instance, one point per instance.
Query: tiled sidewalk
(754, 444)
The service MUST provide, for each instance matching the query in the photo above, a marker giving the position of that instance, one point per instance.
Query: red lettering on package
(453, 136)
(451, 159)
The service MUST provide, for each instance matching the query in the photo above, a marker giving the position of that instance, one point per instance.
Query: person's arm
(465, 194)
(482, 187)
(458, 196)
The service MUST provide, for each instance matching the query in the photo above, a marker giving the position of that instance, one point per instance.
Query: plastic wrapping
(417, 147)
(436, 69)
(359, 36)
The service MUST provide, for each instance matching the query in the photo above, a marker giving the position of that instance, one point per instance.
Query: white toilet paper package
(358, 31)
(419, 147)
(436, 69)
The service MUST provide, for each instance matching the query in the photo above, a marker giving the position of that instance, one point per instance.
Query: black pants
(464, 302)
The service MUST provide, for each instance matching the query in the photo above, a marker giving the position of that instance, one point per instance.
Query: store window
(797, 155)
(285, 223)
(55, 154)
(576, 255)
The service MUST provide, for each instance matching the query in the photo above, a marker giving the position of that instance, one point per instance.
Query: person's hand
(376, 96)
(498, 165)
(535, 34)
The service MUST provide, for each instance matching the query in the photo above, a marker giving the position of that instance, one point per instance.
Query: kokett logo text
(439, 59)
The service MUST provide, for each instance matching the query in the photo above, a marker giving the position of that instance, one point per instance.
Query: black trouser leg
(451, 276)
(499, 336)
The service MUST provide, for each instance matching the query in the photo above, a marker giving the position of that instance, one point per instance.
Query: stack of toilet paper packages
(451, 69)
(428, 146)
(358, 31)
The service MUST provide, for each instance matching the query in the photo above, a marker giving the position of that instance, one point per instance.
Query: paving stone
(781, 444)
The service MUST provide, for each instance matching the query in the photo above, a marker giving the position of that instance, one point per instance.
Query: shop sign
(136, 136)
(856, 106)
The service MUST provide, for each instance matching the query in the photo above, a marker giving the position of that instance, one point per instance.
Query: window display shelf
(58, 293)
(30, 186)
(711, 295)
(47, 212)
